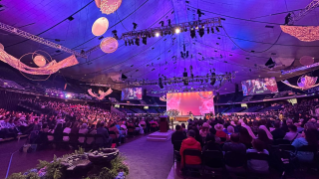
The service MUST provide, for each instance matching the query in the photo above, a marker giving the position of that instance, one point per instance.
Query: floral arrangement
(117, 168)
(172, 112)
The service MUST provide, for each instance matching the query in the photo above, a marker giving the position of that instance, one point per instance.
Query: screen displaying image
(132, 94)
(259, 86)
(197, 103)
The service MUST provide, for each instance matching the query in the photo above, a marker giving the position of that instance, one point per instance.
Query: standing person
(190, 143)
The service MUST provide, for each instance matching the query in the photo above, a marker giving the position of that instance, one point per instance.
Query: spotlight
(193, 34)
(177, 30)
(114, 32)
(208, 30)
(134, 25)
(185, 29)
(201, 32)
(137, 41)
(213, 31)
(287, 18)
(144, 40)
(169, 22)
(125, 43)
(213, 79)
(157, 34)
(162, 23)
(217, 29)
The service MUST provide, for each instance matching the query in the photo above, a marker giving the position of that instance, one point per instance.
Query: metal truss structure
(40, 40)
(170, 29)
(311, 6)
(167, 30)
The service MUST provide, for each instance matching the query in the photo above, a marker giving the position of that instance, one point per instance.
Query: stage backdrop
(199, 103)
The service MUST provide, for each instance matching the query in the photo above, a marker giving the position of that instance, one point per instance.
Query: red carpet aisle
(148, 159)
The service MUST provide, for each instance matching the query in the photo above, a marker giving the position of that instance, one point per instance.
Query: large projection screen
(199, 103)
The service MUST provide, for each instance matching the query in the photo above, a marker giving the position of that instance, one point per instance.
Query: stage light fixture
(169, 22)
(157, 34)
(213, 79)
(192, 32)
(217, 29)
(134, 25)
(137, 41)
(208, 30)
(213, 31)
(177, 30)
(114, 32)
(162, 23)
(144, 40)
(201, 32)
(185, 29)
(125, 43)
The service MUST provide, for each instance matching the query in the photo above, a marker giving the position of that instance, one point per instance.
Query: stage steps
(160, 136)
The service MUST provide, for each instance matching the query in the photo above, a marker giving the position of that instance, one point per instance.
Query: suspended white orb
(40, 61)
(109, 45)
(1, 47)
(100, 26)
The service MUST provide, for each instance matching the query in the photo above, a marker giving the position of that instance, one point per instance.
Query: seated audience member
(308, 138)
(178, 135)
(230, 130)
(234, 145)
(258, 165)
(262, 135)
(292, 134)
(104, 139)
(278, 133)
(183, 128)
(58, 133)
(268, 134)
(74, 132)
(83, 130)
(67, 130)
(220, 133)
(204, 130)
(245, 138)
(212, 142)
(7, 129)
(123, 128)
(190, 143)
(92, 131)
(114, 129)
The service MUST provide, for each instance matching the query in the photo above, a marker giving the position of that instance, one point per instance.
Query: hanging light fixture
(100, 26)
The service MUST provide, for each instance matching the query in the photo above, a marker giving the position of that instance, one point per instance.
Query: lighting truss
(212, 22)
(284, 72)
(41, 40)
(170, 29)
(311, 6)
(176, 80)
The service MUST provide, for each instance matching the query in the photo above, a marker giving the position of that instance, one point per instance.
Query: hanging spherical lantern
(110, 6)
(40, 61)
(1, 47)
(307, 60)
(98, 3)
(100, 26)
(109, 45)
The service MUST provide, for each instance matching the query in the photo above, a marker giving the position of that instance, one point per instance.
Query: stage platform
(182, 118)
(160, 136)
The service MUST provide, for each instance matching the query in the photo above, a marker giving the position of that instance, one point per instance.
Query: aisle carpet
(148, 159)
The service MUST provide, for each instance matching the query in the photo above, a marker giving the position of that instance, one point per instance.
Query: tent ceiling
(244, 30)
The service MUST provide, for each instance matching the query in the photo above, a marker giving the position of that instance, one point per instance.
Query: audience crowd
(252, 141)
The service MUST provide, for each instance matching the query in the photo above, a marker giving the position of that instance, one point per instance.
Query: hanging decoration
(51, 67)
(307, 60)
(101, 95)
(109, 45)
(109, 6)
(172, 112)
(40, 60)
(304, 82)
(163, 98)
(303, 33)
(1, 46)
(100, 26)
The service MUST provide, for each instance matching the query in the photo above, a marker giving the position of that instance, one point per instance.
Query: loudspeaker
(123, 77)
(236, 88)
(270, 63)
(213, 79)
(160, 83)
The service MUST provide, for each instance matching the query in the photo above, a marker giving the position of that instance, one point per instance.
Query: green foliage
(106, 173)
(119, 165)
(31, 175)
(53, 169)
